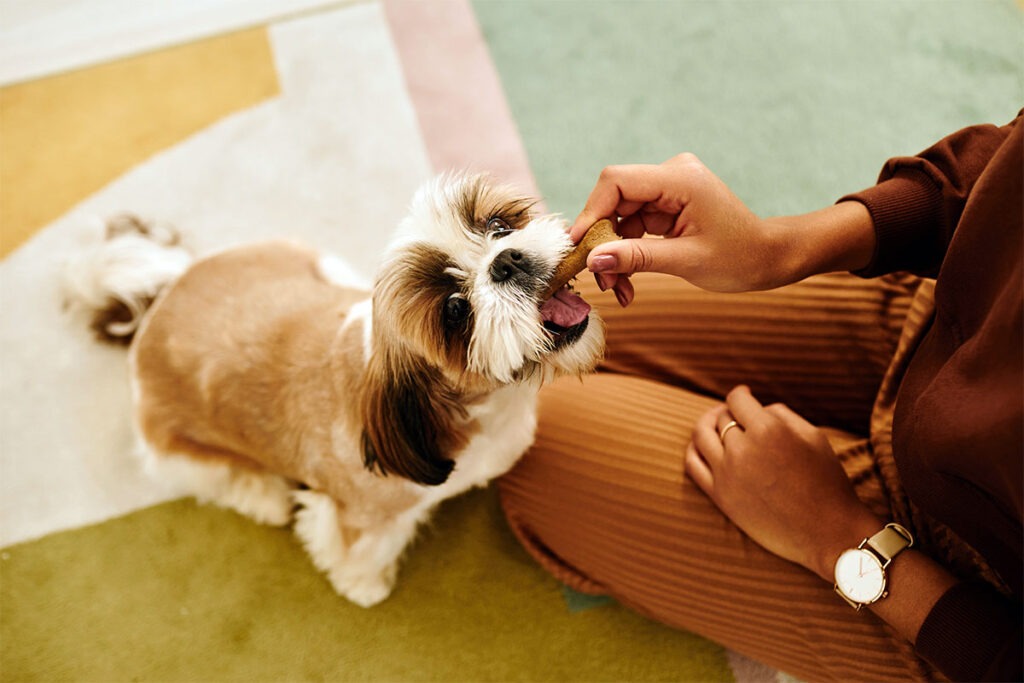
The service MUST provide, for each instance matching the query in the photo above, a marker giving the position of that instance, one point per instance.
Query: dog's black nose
(508, 264)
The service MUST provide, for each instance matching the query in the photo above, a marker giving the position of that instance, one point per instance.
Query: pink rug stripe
(460, 103)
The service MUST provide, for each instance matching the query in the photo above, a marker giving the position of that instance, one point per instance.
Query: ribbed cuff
(906, 210)
(973, 634)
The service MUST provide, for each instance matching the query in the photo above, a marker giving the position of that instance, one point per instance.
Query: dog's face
(461, 283)
(457, 313)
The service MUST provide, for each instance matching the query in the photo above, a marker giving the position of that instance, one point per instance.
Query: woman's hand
(777, 478)
(711, 238)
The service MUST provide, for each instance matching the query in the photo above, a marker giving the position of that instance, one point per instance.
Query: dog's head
(457, 314)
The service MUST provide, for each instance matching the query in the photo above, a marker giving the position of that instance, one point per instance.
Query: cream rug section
(333, 162)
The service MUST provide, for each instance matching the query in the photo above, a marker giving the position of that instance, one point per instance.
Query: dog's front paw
(355, 572)
(365, 590)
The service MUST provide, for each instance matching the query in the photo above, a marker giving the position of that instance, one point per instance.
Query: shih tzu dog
(264, 382)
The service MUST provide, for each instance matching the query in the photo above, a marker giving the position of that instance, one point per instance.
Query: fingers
(742, 404)
(705, 436)
(672, 256)
(647, 221)
(656, 192)
(698, 470)
(648, 197)
(786, 414)
(714, 430)
(749, 411)
(620, 285)
(727, 427)
(620, 191)
(705, 450)
(624, 291)
(794, 421)
(717, 430)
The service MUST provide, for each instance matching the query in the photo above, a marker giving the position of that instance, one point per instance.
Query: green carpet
(186, 593)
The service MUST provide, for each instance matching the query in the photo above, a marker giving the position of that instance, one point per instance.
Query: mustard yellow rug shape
(64, 137)
(186, 593)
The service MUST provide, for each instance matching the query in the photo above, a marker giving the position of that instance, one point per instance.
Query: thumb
(650, 254)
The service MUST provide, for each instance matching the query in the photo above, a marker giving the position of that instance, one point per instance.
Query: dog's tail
(116, 281)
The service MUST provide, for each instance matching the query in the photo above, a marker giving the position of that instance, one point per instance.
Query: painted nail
(603, 263)
(604, 281)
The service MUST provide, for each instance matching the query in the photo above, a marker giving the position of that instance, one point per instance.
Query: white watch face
(859, 576)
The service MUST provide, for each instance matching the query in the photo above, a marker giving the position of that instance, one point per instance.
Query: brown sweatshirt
(955, 212)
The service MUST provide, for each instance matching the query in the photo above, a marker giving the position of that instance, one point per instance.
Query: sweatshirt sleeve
(918, 200)
(957, 636)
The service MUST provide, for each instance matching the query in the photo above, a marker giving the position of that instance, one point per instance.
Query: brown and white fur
(264, 384)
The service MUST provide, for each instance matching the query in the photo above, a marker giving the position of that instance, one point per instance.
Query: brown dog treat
(576, 260)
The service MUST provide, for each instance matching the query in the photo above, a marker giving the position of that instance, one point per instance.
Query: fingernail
(603, 263)
(604, 281)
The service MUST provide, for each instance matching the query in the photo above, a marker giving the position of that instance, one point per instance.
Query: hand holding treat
(576, 261)
(703, 233)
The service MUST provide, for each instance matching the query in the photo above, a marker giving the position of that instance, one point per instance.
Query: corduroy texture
(602, 501)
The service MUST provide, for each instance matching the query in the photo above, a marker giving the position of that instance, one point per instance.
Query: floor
(239, 120)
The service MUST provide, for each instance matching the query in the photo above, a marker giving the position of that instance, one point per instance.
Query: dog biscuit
(576, 260)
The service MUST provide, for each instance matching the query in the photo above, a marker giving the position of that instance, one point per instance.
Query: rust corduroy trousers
(602, 502)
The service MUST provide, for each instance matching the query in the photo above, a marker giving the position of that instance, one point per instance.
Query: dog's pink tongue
(565, 309)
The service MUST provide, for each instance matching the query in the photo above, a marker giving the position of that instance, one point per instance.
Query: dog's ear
(411, 421)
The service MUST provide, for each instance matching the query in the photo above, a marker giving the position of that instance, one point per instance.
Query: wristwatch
(860, 571)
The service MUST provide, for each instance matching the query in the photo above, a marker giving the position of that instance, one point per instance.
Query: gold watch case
(860, 576)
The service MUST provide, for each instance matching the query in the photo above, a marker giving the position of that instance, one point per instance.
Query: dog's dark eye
(498, 227)
(456, 310)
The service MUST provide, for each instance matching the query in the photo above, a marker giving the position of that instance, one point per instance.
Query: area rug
(319, 127)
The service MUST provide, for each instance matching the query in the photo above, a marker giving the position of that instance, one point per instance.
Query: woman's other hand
(777, 478)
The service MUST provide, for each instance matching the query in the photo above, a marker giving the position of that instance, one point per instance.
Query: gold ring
(725, 430)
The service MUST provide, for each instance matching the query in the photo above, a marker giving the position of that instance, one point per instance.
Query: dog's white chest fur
(507, 421)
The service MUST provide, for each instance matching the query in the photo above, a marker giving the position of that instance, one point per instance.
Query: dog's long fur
(261, 382)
